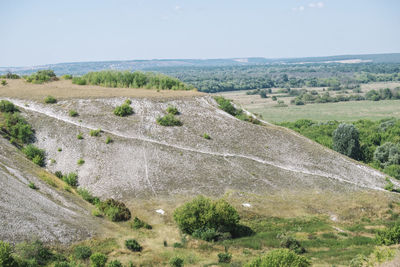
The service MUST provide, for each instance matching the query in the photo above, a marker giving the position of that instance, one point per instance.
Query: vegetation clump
(280, 257)
(123, 110)
(81, 161)
(33, 253)
(95, 133)
(176, 262)
(346, 141)
(206, 136)
(138, 223)
(228, 107)
(16, 129)
(35, 154)
(98, 260)
(169, 120)
(108, 140)
(86, 195)
(115, 210)
(172, 110)
(82, 252)
(42, 76)
(7, 106)
(133, 245)
(31, 186)
(389, 236)
(73, 113)
(129, 79)
(206, 219)
(6, 258)
(50, 100)
(71, 179)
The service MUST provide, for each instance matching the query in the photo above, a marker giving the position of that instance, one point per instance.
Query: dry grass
(65, 89)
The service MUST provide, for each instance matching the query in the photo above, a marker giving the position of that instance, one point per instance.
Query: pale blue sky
(54, 31)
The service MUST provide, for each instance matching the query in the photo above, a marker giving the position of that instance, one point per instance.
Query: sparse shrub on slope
(6, 259)
(98, 260)
(17, 129)
(393, 170)
(86, 195)
(169, 120)
(42, 76)
(50, 100)
(123, 110)
(82, 252)
(346, 141)
(138, 223)
(73, 113)
(67, 77)
(115, 210)
(133, 245)
(204, 215)
(280, 257)
(228, 107)
(7, 106)
(33, 253)
(95, 133)
(176, 262)
(387, 154)
(114, 263)
(172, 110)
(35, 154)
(389, 236)
(71, 179)
(291, 243)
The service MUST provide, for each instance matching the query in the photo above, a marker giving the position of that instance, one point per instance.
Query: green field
(341, 111)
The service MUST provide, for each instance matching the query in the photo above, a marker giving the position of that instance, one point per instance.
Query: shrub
(108, 140)
(389, 236)
(133, 245)
(95, 132)
(34, 252)
(202, 213)
(176, 262)
(3, 82)
(115, 210)
(35, 154)
(393, 170)
(98, 260)
(50, 100)
(79, 136)
(82, 252)
(86, 195)
(59, 149)
(387, 154)
(389, 185)
(207, 234)
(58, 174)
(178, 245)
(42, 76)
(32, 186)
(78, 81)
(291, 243)
(67, 77)
(169, 120)
(16, 127)
(81, 161)
(137, 224)
(172, 110)
(114, 263)
(96, 213)
(71, 179)
(206, 136)
(123, 110)
(346, 141)
(128, 102)
(7, 106)
(280, 257)
(73, 113)
(224, 257)
(63, 264)
(6, 259)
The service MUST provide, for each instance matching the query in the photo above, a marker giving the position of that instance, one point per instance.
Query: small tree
(346, 141)
(6, 259)
(387, 154)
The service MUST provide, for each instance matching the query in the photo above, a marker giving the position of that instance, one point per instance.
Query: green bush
(95, 132)
(128, 102)
(207, 234)
(123, 110)
(73, 113)
(224, 257)
(169, 120)
(129, 79)
(393, 170)
(42, 76)
(4, 82)
(389, 185)
(86, 195)
(31, 186)
(79, 136)
(67, 77)
(16, 127)
(50, 100)
(177, 245)
(114, 263)
(137, 224)
(115, 210)
(82, 252)
(202, 212)
(108, 140)
(291, 243)
(71, 179)
(389, 236)
(176, 262)
(63, 264)
(280, 257)
(227, 106)
(387, 154)
(172, 110)
(98, 260)
(346, 141)
(6, 259)
(34, 252)
(206, 136)
(81, 161)
(133, 245)
(35, 154)
(7, 106)
(58, 174)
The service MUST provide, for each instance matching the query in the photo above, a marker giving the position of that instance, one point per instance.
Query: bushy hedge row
(129, 79)
(228, 107)
(41, 76)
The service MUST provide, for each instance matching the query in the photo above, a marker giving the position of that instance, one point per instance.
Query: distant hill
(79, 68)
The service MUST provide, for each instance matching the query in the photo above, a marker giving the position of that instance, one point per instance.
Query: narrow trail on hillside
(33, 108)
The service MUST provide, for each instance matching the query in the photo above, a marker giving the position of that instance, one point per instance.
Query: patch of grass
(169, 120)
(79, 136)
(108, 140)
(137, 224)
(123, 110)
(73, 113)
(206, 136)
(95, 133)
(133, 245)
(81, 161)
(35, 154)
(32, 185)
(50, 100)
(71, 179)
(86, 195)
(59, 149)
(172, 110)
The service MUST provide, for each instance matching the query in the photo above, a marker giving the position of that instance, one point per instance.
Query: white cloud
(300, 8)
(316, 5)
(177, 8)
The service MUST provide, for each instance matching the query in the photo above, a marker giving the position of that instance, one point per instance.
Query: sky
(48, 31)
